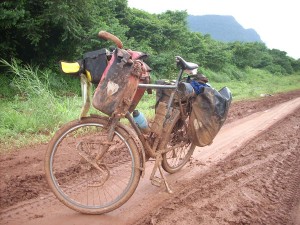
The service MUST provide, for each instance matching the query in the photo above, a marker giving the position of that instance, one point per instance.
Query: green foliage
(45, 31)
(256, 82)
(27, 81)
(216, 57)
(280, 59)
(257, 55)
(35, 108)
(160, 35)
(162, 32)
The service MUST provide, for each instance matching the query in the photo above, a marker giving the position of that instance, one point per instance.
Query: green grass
(146, 105)
(35, 103)
(34, 111)
(257, 82)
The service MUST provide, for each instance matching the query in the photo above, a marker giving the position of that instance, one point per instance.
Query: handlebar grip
(108, 36)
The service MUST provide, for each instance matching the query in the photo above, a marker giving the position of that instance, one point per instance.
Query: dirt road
(249, 175)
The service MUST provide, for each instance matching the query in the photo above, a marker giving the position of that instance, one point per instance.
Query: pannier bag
(95, 63)
(209, 112)
(118, 85)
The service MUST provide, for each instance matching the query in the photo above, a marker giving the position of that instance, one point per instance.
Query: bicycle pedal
(156, 181)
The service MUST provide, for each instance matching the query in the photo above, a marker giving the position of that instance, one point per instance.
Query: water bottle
(141, 121)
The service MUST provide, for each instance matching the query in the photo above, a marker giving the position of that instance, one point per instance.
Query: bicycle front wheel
(86, 172)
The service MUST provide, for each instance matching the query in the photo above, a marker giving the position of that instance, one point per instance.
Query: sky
(276, 21)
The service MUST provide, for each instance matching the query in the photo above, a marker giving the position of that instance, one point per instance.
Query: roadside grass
(32, 121)
(41, 102)
(34, 111)
(255, 83)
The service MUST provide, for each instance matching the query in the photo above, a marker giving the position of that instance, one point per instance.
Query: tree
(45, 31)
(280, 58)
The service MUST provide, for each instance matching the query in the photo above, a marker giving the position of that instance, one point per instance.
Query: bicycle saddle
(185, 65)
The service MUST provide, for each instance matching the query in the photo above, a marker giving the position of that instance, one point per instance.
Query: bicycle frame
(147, 149)
(86, 93)
(150, 151)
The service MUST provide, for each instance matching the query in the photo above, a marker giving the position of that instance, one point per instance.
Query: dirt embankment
(258, 184)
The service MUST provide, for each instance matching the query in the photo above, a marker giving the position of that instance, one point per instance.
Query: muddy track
(252, 183)
(258, 184)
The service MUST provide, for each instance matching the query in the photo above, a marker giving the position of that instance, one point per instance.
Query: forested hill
(222, 28)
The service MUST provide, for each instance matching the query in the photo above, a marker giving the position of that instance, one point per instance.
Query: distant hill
(222, 28)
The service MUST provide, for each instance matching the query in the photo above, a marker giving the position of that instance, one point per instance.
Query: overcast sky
(277, 22)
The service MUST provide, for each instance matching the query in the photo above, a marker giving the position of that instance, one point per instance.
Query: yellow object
(88, 75)
(70, 67)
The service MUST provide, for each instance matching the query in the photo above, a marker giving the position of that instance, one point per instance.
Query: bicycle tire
(175, 159)
(80, 185)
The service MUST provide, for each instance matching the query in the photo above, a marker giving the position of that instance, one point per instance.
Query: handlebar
(108, 36)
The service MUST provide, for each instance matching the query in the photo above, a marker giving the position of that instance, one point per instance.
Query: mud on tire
(80, 180)
(176, 132)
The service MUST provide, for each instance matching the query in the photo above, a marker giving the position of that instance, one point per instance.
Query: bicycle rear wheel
(84, 182)
(182, 150)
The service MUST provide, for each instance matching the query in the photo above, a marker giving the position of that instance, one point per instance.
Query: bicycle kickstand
(156, 181)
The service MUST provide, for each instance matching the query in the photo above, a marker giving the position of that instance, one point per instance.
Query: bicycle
(93, 165)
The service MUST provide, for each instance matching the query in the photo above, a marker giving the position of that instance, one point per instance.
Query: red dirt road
(249, 175)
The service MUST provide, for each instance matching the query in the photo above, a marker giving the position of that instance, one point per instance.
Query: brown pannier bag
(114, 94)
(209, 112)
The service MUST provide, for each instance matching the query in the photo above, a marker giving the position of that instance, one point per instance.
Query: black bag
(95, 63)
(209, 112)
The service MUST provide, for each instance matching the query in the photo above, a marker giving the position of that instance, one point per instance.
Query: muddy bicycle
(93, 165)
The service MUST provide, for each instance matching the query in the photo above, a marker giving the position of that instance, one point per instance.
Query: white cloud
(277, 22)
